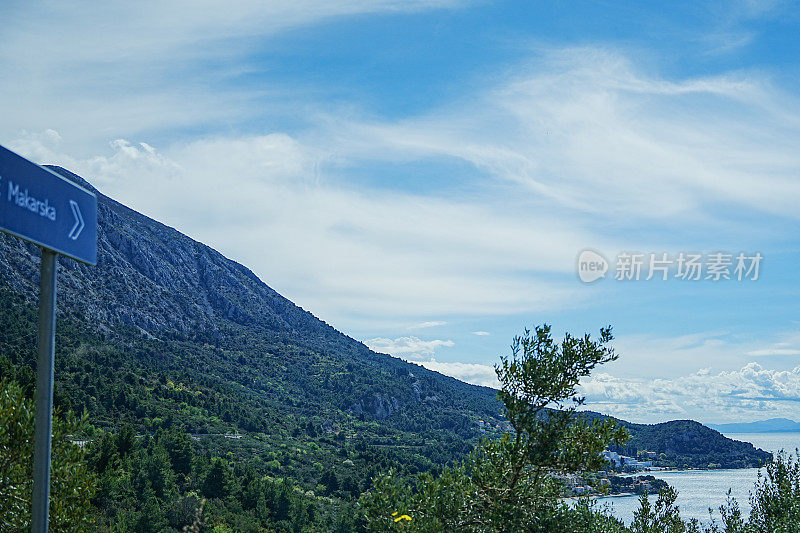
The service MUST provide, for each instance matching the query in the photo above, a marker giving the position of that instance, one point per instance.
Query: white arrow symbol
(78, 227)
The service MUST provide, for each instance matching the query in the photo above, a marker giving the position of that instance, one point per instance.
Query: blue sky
(422, 175)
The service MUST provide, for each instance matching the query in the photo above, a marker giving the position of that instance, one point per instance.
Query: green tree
(776, 501)
(151, 518)
(153, 471)
(179, 448)
(218, 479)
(102, 453)
(509, 484)
(72, 484)
(664, 517)
(126, 440)
(330, 481)
(732, 520)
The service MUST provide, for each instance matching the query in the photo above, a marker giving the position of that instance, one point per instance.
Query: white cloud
(752, 392)
(774, 351)
(749, 393)
(681, 355)
(588, 130)
(93, 71)
(579, 140)
(481, 333)
(474, 373)
(428, 324)
(786, 344)
(262, 201)
(677, 356)
(406, 346)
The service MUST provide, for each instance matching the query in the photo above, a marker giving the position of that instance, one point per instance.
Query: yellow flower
(402, 517)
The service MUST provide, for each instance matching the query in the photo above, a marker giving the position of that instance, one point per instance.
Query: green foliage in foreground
(72, 483)
(158, 483)
(775, 502)
(510, 484)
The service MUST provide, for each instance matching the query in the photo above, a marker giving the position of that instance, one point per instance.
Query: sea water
(699, 490)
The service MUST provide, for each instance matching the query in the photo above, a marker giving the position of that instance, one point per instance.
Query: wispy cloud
(786, 344)
(775, 351)
(683, 354)
(588, 130)
(250, 194)
(175, 113)
(428, 324)
(579, 139)
(150, 66)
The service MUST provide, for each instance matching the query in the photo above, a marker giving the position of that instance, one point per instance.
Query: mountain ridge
(185, 324)
(165, 285)
(770, 425)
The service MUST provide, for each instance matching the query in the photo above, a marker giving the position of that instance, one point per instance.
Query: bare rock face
(153, 280)
(151, 277)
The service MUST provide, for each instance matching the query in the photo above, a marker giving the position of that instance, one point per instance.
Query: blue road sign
(42, 207)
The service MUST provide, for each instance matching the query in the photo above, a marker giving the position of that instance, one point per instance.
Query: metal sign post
(44, 391)
(61, 217)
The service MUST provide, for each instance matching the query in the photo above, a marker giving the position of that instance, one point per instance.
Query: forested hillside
(688, 444)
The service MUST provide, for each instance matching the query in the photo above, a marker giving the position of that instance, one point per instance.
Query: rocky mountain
(152, 282)
(151, 277)
(165, 330)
